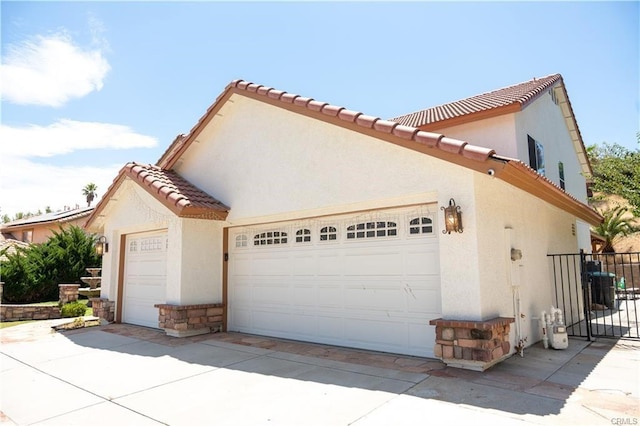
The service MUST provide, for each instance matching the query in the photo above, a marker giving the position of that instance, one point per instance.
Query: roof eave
(520, 175)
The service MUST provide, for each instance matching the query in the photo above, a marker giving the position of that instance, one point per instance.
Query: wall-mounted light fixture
(102, 246)
(452, 218)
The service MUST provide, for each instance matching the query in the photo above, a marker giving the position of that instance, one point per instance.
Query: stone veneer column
(190, 320)
(473, 345)
(103, 308)
(68, 293)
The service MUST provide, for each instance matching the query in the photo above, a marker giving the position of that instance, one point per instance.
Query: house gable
(168, 188)
(455, 151)
(501, 102)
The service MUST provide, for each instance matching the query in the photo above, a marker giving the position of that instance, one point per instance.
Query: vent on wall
(573, 229)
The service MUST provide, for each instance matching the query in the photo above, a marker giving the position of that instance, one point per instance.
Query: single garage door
(367, 281)
(145, 277)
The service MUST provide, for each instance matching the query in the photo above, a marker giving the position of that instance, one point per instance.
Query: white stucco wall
(201, 256)
(537, 229)
(194, 253)
(543, 121)
(498, 133)
(507, 134)
(268, 163)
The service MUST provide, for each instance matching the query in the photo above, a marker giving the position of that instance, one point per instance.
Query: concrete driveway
(125, 375)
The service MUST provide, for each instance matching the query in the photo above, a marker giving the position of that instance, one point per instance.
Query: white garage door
(367, 281)
(145, 277)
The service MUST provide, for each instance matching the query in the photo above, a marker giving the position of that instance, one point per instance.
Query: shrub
(32, 274)
(73, 309)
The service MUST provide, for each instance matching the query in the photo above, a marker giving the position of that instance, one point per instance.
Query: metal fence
(598, 293)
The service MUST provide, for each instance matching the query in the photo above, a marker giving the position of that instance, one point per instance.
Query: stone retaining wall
(66, 293)
(28, 312)
(190, 320)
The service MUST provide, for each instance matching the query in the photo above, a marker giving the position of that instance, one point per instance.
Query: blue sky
(89, 86)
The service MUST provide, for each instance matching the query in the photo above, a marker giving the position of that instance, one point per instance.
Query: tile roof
(310, 105)
(169, 188)
(513, 97)
(460, 152)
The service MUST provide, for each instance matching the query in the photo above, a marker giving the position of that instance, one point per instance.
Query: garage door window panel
(379, 229)
(241, 241)
(303, 236)
(270, 238)
(328, 233)
(421, 225)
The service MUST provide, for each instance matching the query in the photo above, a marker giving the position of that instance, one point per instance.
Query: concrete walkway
(126, 375)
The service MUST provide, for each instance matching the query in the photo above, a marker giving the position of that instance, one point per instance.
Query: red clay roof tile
(519, 94)
(169, 188)
(522, 94)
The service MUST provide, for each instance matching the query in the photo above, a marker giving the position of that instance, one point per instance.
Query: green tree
(32, 274)
(89, 191)
(616, 170)
(615, 225)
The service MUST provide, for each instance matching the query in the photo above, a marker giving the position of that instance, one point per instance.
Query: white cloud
(66, 136)
(50, 71)
(27, 186)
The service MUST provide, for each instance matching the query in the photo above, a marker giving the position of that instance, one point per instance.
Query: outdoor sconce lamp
(452, 218)
(102, 246)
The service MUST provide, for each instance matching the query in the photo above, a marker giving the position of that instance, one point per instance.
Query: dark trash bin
(603, 289)
(594, 266)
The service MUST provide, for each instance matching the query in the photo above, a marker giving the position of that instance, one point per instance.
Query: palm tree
(613, 226)
(89, 191)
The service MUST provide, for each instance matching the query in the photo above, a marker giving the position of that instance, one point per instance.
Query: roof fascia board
(519, 175)
(574, 131)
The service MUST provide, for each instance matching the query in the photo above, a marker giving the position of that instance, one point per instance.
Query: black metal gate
(598, 293)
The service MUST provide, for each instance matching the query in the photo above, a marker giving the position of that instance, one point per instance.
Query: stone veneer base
(190, 320)
(472, 345)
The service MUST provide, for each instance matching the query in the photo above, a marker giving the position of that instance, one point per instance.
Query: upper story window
(303, 236)
(561, 173)
(133, 246)
(536, 155)
(328, 233)
(241, 240)
(270, 238)
(372, 230)
(421, 225)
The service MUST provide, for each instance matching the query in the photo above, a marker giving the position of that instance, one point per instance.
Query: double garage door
(367, 281)
(145, 277)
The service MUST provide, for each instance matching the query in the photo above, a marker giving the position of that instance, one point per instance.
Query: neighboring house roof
(459, 152)
(9, 245)
(48, 218)
(170, 189)
(498, 102)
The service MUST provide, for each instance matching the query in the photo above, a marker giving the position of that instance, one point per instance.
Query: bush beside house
(32, 274)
